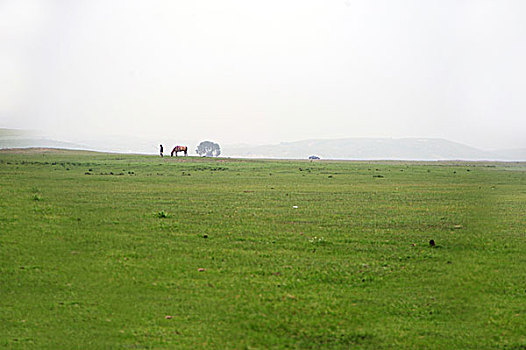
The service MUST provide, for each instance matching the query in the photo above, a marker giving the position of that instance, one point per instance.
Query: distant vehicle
(314, 157)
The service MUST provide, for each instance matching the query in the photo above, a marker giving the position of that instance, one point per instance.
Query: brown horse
(179, 149)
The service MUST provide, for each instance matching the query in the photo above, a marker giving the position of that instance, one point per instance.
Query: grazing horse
(179, 149)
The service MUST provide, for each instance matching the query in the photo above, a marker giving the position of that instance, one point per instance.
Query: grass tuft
(162, 215)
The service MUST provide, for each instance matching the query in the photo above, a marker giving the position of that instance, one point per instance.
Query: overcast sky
(266, 71)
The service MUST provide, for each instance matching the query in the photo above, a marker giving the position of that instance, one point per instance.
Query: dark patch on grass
(162, 214)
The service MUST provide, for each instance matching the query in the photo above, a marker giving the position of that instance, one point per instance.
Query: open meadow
(132, 251)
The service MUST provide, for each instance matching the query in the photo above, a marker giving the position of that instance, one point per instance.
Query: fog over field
(261, 73)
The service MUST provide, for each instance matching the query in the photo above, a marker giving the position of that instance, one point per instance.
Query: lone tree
(208, 149)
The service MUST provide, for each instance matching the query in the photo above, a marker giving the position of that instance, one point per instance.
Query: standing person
(161, 150)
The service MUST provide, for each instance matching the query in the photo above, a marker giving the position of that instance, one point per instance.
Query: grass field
(128, 251)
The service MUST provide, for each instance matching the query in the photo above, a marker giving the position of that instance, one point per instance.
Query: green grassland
(130, 251)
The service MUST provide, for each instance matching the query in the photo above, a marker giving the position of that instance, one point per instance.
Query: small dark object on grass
(432, 243)
(205, 236)
(162, 214)
(379, 176)
(330, 176)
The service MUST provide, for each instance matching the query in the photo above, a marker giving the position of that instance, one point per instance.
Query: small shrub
(36, 197)
(162, 215)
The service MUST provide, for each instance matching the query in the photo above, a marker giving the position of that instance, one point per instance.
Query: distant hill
(12, 138)
(372, 149)
(44, 150)
(349, 148)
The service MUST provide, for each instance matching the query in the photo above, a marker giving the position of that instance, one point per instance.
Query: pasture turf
(129, 251)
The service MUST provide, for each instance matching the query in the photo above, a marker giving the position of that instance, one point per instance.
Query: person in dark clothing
(161, 150)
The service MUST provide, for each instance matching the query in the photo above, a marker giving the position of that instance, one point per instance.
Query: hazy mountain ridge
(374, 148)
(13, 138)
(348, 148)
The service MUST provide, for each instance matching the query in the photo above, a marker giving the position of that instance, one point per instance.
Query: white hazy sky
(266, 71)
